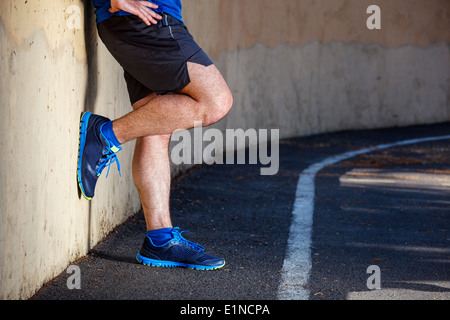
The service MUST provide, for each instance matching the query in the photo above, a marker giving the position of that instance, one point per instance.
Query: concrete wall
(50, 74)
(301, 66)
(308, 66)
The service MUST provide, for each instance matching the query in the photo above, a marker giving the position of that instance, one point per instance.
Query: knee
(218, 108)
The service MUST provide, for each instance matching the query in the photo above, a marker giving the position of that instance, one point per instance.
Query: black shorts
(154, 58)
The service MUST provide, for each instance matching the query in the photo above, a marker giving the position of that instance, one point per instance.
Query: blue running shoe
(178, 252)
(94, 154)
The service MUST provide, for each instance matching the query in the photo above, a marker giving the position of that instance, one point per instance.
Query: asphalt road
(388, 208)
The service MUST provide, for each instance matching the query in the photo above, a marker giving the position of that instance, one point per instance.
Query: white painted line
(297, 262)
(395, 179)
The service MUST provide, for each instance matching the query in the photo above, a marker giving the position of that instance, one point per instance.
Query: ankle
(108, 132)
(160, 236)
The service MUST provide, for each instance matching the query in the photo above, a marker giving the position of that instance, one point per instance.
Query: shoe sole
(171, 264)
(82, 141)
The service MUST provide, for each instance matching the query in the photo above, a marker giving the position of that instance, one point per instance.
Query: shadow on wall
(91, 42)
(91, 45)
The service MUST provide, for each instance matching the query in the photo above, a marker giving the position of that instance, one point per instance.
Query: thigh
(207, 83)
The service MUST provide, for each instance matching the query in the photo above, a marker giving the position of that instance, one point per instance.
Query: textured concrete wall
(301, 66)
(50, 74)
(309, 66)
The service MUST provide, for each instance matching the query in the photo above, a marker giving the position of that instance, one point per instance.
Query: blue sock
(107, 131)
(160, 236)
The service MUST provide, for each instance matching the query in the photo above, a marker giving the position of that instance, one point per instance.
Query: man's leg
(206, 98)
(164, 246)
(151, 174)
